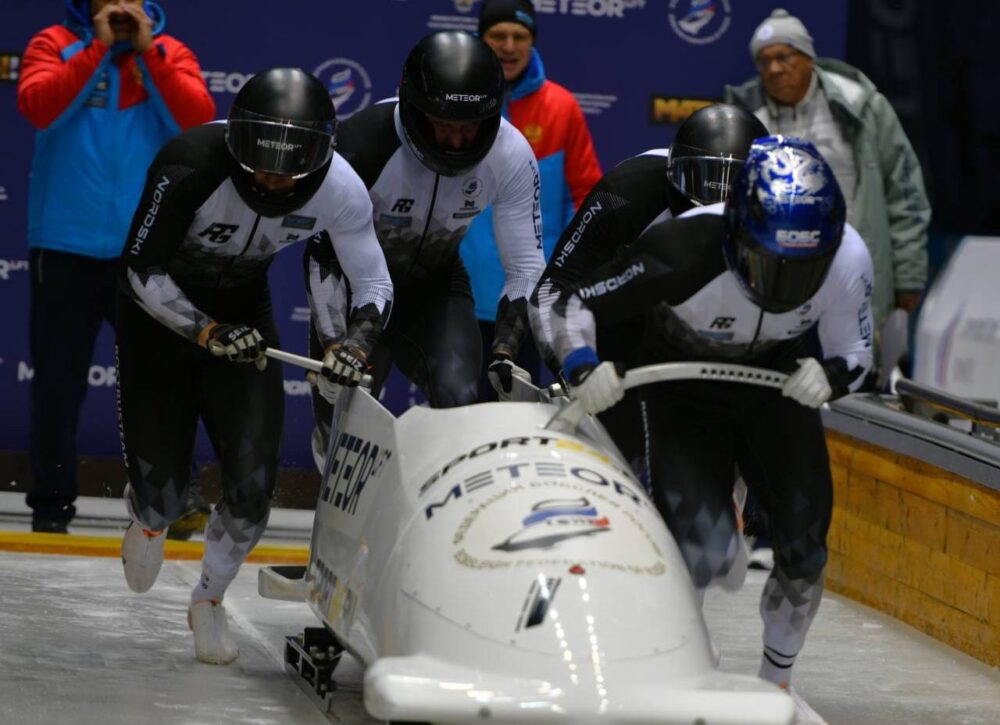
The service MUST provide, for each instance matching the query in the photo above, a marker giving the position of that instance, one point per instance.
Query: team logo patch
(295, 221)
(473, 187)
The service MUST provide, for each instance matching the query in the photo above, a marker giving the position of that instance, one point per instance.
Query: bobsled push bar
(313, 366)
(570, 416)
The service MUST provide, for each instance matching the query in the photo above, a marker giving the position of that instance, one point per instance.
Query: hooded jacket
(101, 114)
(551, 120)
(890, 206)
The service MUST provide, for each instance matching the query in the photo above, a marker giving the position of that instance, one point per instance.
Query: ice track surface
(78, 648)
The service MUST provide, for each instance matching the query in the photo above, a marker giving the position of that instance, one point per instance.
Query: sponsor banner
(700, 22)
(10, 67)
(594, 104)
(671, 110)
(349, 85)
(9, 266)
(615, 55)
(219, 81)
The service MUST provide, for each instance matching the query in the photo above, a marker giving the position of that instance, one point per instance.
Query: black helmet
(708, 151)
(453, 76)
(282, 122)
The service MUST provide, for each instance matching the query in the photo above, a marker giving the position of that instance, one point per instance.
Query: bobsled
(500, 563)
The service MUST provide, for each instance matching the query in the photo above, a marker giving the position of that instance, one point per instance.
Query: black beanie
(507, 11)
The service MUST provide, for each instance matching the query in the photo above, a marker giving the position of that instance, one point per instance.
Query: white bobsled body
(486, 569)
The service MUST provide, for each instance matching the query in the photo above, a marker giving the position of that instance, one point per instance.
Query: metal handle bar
(571, 415)
(952, 404)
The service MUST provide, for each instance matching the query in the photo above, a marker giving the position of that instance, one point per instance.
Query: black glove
(344, 365)
(501, 374)
(239, 343)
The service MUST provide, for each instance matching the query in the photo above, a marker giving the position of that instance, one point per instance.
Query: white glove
(600, 389)
(326, 387)
(502, 372)
(808, 385)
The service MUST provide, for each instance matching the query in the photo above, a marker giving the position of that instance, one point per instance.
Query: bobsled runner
(500, 563)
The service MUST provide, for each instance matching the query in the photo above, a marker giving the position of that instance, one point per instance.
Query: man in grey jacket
(842, 112)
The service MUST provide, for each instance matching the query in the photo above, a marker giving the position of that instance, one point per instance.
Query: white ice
(78, 648)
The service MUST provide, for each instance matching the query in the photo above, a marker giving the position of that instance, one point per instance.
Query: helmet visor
(779, 284)
(701, 178)
(274, 146)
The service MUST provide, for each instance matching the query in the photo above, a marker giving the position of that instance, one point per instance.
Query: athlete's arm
(845, 325)
(517, 228)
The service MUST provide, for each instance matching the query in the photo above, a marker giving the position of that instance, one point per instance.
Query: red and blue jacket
(102, 114)
(550, 118)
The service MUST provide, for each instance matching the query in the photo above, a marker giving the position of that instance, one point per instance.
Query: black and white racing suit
(197, 254)
(621, 206)
(695, 309)
(421, 218)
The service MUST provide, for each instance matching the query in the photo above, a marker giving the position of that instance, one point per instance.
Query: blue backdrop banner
(637, 67)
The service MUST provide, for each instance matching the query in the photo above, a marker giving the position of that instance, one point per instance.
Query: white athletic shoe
(212, 641)
(142, 556)
(762, 558)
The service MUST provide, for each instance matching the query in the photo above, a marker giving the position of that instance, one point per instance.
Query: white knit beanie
(782, 29)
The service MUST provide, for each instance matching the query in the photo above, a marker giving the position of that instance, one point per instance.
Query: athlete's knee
(807, 565)
(249, 497)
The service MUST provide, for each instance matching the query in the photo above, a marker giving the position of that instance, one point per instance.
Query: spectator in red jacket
(104, 90)
(550, 118)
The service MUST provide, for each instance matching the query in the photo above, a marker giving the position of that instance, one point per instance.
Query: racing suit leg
(158, 406)
(434, 340)
(243, 412)
(783, 457)
(692, 441)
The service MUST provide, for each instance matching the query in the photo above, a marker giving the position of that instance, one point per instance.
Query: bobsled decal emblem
(552, 522)
(558, 524)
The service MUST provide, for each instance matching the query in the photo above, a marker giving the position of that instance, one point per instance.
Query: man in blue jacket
(104, 90)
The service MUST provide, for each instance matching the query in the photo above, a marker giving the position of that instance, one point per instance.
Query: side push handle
(570, 416)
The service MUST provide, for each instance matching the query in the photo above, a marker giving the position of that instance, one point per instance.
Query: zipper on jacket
(427, 224)
(756, 333)
(232, 260)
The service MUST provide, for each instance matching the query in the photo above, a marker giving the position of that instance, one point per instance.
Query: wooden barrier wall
(918, 543)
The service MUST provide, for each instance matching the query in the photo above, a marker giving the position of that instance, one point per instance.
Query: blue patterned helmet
(785, 219)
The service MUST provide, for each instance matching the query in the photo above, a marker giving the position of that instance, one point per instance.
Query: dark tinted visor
(701, 178)
(780, 284)
(262, 143)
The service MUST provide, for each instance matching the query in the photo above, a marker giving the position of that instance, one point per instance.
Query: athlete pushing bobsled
(500, 571)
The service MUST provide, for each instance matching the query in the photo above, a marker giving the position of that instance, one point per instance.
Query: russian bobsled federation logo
(559, 524)
(473, 187)
(349, 85)
(553, 521)
(464, 6)
(700, 21)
